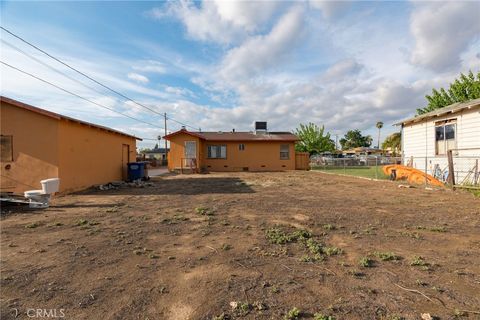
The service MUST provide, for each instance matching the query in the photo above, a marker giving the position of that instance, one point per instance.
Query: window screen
(241, 147)
(217, 152)
(6, 148)
(284, 151)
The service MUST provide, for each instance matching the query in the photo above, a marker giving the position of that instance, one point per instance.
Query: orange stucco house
(37, 144)
(258, 150)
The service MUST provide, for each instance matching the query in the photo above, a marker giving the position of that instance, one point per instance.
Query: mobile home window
(445, 136)
(6, 148)
(284, 152)
(241, 147)
(217, 151)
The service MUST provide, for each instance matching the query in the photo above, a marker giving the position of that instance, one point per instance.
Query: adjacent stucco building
(231, 151)
(37, 144)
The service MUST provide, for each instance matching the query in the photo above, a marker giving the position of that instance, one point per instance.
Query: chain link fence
(464, 165)
(362, 166)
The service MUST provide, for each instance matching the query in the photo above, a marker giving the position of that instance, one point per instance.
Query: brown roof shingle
(239, 136)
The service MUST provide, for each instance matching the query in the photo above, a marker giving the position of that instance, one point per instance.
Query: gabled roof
(237, 136)
(453, 108)
(58, 116)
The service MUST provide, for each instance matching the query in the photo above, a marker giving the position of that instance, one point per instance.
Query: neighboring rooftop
(58, 116)
(155, 150)
(453, 108)
(238, 136)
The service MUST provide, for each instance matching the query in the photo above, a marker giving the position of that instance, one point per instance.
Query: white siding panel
(419, 141)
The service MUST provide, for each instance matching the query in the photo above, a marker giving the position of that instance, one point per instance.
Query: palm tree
(379, 125)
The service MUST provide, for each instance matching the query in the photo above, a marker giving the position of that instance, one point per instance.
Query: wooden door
(125, 160)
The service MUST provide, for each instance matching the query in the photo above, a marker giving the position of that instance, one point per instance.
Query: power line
(50, 67)
(90, 78)
(77, 95)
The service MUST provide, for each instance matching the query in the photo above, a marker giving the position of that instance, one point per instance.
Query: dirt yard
(246, 246)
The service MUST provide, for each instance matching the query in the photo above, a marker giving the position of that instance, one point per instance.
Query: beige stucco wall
(257, 156)
(35, 149)
(44, 147)
(89, 156)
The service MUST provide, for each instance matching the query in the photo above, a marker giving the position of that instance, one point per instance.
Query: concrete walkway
(153, 172)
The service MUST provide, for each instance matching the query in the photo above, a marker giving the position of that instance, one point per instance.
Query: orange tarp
(411, 175)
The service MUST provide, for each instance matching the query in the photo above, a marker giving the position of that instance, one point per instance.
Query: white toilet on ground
(41, 198)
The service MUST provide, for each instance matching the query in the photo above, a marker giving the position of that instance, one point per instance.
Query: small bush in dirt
(329, 226)
(366, 262)
(386, 256)
(277, 236)
(332, 251)
(204, 211)
(293, 314)
(356, 273)
(226, 247)
(320, 316)
(241, 308)
(313, 246)
(32, 225)
(315, 258)
(418, 262)
(81, 222)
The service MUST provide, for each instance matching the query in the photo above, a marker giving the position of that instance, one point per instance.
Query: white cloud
(219, 21)
(150, 66)
(443, 31)
(259, 53)
(137, 77)
(330, 8)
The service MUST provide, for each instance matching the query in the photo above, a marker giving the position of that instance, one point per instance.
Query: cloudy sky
(219, 65)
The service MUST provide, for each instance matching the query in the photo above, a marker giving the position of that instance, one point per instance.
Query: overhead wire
(77, 95)
(92, 79)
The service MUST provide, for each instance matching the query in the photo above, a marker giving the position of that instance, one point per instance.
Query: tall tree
(354, 139)
(313, 139)
(394, 142)
(379, 126)
(465, 88)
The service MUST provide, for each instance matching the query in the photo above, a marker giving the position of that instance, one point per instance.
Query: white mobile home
(427, 138)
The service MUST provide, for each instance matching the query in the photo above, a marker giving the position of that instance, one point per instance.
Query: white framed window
(284, 152)
(241, 147)
(445, 136)
(217, 151)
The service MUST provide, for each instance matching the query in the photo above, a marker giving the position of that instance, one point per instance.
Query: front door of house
(190, 152)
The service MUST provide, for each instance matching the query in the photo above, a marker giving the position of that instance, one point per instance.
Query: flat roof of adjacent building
(58, 116)
(453, 108)
(238, 136)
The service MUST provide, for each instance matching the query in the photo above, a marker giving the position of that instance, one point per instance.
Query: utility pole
(336, 142)
(165, 125)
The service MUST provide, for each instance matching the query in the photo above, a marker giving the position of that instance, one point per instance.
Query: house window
(284, 152)
(241, 147)
(445, 136)
(217, 151)
(6, 148)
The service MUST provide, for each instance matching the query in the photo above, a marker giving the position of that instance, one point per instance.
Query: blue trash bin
(135, 170)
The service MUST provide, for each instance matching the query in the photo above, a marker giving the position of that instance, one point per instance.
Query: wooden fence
(302, 161)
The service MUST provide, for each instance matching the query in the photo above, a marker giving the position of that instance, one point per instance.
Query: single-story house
(37, 144)
(257, 150)
(155, 153)
(427, 138)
